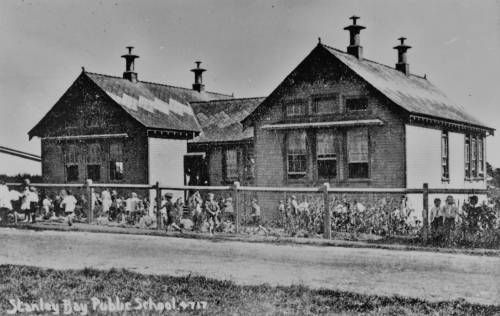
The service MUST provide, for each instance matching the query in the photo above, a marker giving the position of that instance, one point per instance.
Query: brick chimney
(129, 73)
(402, 64)
(354, 47)
(198, 77)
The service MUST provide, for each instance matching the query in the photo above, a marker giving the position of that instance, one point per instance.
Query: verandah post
(327, 225)
(90, 193)
(159, 224)
(425, 196)
(236, 201)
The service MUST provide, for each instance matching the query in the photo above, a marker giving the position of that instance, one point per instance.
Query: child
(211, 209)
(69, 204)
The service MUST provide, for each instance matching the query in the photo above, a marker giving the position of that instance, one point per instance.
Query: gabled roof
(155, 105)
(415, 94)
(220, 120)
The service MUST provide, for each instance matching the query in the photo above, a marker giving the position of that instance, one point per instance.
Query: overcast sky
(248, 47)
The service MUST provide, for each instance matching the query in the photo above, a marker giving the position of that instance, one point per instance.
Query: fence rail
(235, 191)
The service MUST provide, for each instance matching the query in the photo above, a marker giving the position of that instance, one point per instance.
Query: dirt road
(432, 276)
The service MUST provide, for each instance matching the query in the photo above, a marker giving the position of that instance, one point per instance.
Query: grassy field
(30, 285)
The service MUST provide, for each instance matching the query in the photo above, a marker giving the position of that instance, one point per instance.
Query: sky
(248, 48)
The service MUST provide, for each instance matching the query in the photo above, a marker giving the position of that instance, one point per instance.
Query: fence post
(236, 199)
(425, 196)
(90, 193)
(159, 223)
(327, 225)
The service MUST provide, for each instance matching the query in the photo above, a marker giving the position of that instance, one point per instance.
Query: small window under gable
(326, 103)
(296, 107)
(356, 103)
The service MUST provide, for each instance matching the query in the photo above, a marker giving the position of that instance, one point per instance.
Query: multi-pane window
(473, 154)
(357, 153)
(296, 154)
(94, 172)
(71, 158)
(71, 173)
(231, 164)
(296, 107)
(324, 104)
(445, 153)
(250, 165)
(480, 158)
(467, 156)
(356, 104)
(115, 161)
(326, 155)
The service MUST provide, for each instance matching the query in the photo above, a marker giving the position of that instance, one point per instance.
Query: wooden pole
(425, 196)
(159, 223)
(327, 225)
(90, 193)
(236, 201)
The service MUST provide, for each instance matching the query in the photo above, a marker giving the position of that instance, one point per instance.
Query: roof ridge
(154, 83)
(373, 61)
(226, 100)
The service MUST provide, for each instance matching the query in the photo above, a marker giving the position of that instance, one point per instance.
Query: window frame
(292, 104)
(348, 159)
(69, 166)
(445, 156)
(327, 157)
(116, 157)
(234, 171)
(291, 175)
(355, 97)
(89, 165)
(334, 97)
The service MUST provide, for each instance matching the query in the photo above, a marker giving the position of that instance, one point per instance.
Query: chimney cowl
(198, 77)
(130, 73)
(402, 64)
(354, 29)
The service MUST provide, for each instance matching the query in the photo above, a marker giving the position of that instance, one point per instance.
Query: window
(326, 155)
(71, 159)
(94, 153)
(71, 173)
(445, 152)
(296, 154)
(356, 104)
(231, 164)
(473, 157)
(467, 156)
(296, 107)
(357, 153)
(116, 170)
(480, 159)
(323, 104)
(94, 172)
(250, 165)
(115, 161)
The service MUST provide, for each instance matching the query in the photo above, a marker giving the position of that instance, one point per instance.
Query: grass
(223, 297)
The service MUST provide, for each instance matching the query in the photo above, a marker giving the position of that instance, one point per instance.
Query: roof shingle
(220, 120)
(155, 105)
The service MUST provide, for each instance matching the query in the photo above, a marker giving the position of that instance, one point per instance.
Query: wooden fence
(236, 190)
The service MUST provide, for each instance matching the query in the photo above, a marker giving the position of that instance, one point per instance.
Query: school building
(338, 117)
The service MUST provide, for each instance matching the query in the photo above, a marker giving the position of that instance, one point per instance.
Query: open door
(195, 169)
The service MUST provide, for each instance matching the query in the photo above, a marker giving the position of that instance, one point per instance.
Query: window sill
(359, 180)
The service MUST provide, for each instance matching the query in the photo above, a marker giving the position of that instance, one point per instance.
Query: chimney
(198, 77)
(129, 73)
(402, 64)
(354, 47)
